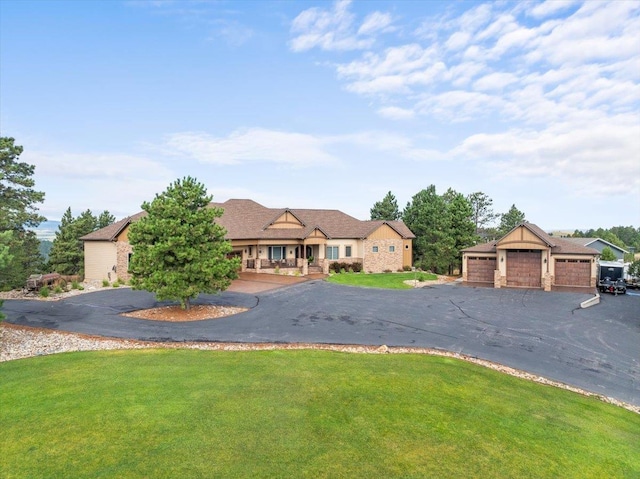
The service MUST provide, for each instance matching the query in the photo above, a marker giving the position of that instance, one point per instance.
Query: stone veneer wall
(383, 259)
(122, 266)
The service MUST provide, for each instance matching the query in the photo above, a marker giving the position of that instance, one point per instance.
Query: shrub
(387, 271)
(343, 271)
(44, 292)
(406, 267)
(58, 290)
(421, 277)
(277, 270)
(116, 284)
(357, 267)
(105, 283)
(75, 285)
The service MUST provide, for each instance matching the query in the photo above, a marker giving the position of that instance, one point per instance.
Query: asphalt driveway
(597, 349)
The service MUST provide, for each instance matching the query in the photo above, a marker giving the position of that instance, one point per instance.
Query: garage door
(524, 269)
(573, 272)
(480, 270)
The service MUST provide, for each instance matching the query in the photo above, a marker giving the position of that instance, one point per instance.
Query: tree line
(445, 224)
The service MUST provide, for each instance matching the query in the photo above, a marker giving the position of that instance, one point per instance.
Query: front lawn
(380, 280)
(185, 413)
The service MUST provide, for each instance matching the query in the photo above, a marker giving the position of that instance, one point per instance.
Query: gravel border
(19, 342)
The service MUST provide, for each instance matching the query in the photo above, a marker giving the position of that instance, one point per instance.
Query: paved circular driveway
(597, 348)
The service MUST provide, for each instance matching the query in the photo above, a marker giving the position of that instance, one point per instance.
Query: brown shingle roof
(109, 233)
(246, 219)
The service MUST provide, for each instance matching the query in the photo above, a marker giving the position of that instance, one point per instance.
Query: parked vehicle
(37, 281)
(614, 286)
(611, 277)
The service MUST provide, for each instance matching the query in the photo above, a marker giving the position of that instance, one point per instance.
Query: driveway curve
(597, 349)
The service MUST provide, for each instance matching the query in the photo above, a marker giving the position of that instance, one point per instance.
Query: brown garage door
(480, 270)
(524, 269)
(573, 272)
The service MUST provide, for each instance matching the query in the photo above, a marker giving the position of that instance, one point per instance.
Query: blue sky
(329, 104)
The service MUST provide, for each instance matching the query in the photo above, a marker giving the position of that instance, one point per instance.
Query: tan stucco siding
(100, 260)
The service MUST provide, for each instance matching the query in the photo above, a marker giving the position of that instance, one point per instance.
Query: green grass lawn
(185, 413)
(379, 280)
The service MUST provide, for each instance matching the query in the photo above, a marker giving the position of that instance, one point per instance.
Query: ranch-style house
(270, 240)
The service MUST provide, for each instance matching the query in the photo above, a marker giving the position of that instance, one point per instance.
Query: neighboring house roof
(590, 241)
(109, 233)
(557, 245)
(246, 219)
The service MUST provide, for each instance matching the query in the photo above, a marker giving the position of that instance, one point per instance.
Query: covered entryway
(524, 268)
(573, 272)
(480, 269)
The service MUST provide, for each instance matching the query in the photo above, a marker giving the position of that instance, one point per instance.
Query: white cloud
(251, 145)
(600, 158)
(494, 81)
(396, 113)
(375, 22)
(87, 166)
(550, 7)
(336, 29)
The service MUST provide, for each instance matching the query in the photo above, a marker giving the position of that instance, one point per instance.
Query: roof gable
(525, 236)
(287, 219)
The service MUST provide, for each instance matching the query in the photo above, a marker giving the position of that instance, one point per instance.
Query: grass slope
(184, 413)
(379, 280)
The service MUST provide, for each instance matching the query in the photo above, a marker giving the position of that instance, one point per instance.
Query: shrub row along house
(270, 240)
(530, 258)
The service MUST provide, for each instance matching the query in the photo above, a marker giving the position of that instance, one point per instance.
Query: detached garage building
(527, 257)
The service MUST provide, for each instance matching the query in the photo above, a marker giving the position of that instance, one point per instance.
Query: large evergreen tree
(424, 217)
(460, 224)
(510, 220)
(18, 211)
(482, 210)
(178, 249)
(387, 209)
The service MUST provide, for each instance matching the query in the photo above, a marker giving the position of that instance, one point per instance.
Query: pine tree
(67, 252)
(461, 226)
(178, 249)
(105, 219)
(510, 220)
(387, 209)
(18, 212)
(483, 214)
(424, 217)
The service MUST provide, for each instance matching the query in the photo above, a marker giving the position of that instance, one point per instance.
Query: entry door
(524, 269)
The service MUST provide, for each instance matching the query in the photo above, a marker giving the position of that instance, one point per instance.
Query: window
(250, 251)
(276, 253)
(332, 252)
(347, 251)
(392, 249)
(375, 249)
